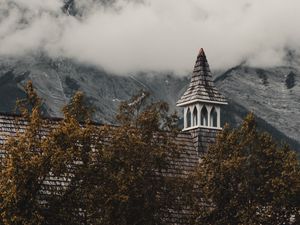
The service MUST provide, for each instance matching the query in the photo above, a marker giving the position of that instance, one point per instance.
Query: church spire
(201, 87)
(201, 101)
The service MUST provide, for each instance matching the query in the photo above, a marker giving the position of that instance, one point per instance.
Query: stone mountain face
(57, 80)
(273, 94)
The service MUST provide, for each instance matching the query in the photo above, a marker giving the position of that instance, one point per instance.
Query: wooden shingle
(201, 87)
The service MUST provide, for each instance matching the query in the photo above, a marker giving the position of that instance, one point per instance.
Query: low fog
(158, 35)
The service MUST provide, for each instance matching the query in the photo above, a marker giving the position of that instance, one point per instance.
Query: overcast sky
(157, 35)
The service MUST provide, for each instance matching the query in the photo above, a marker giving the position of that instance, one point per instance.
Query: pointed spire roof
(201, 88)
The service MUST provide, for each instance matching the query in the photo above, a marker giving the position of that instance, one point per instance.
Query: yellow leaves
(121, 198)
(249, 123)
(246, 172)
(77, 109)
(233, 164)
(110, 174)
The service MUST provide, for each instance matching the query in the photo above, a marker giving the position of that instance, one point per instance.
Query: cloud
(156, 35)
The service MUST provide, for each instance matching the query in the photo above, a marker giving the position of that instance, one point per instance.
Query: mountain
(57, 80)
(273, 94)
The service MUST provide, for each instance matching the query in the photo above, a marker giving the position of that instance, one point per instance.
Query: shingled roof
(201, 88)
(10, 124)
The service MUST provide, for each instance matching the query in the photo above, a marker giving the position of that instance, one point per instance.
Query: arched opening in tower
(213, 117)
(195, 117)
(188, 118)
(204, 116)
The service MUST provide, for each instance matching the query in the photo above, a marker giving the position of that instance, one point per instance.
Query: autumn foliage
(246, 178)
(75, 171)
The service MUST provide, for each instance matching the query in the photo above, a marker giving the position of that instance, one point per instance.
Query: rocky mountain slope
(273, 94)
(57, 80)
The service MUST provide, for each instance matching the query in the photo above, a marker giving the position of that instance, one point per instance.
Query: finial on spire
(201, 53)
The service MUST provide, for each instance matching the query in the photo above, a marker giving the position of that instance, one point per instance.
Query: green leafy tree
(246, 178)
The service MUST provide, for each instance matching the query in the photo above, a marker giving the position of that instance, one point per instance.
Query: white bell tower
(202, 102)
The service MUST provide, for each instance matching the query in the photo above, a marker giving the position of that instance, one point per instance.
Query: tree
(73, 144)
(74, 171)
(246, 178)
(125, 181)
(138, 158)
(23, 169)
(43, 161)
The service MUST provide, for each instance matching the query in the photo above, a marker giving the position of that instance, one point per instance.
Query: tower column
(199, 113)
(218, 116)
(185, 117)
(192, 115)
(208, 107)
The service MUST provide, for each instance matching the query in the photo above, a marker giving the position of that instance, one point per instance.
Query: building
(201, 104)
